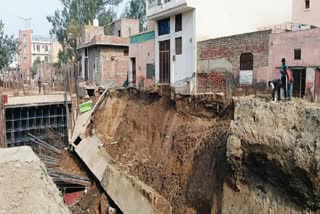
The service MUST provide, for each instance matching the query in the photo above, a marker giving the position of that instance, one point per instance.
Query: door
(317, 87)
(134, 71)
(164, 62)
(299, 85)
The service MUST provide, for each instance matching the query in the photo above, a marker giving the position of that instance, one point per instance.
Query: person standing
(290, 83)
(39, 85)
(276, 85)
(283, 73)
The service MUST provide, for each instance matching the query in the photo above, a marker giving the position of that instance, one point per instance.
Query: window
(164, 26)
(34, 47)
(119, 33)
(46, 59)
(307, 4)
(24, 37)
(246, 62)
(297, 54)
(25, 49)
(179, 46)
(25, 59)
(38, 48)
(126, 52)
(178, 23)
(46, 49)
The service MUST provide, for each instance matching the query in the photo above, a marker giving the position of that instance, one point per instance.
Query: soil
(71, 164)
(93, 202)
(169, 147)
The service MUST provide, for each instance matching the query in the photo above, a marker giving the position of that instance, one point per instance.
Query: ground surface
(25, 185)
(254, 157)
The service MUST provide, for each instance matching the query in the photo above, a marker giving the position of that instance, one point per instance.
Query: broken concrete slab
(25, 185)
(129, 193)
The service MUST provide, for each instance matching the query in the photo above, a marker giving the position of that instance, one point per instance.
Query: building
(234, 62)
(181, 24)
(141, 53)
(33, 47)
(301, 50)
(41, 48)
(306, 12)
(25, 50)
(125, 27)
(105, 58)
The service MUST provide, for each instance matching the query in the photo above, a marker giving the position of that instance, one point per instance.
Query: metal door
(164, 62)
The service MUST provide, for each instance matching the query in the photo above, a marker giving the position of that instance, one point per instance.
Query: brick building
(239, 61)
(105, 58)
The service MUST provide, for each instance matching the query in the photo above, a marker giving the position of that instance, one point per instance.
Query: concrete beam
(130, 194)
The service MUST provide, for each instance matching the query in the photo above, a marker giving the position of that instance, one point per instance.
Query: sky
(38, 10)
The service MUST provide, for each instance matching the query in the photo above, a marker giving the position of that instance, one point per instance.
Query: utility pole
(26, 22)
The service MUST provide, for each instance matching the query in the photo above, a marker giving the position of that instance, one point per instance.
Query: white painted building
(41, 48)
(180, 24)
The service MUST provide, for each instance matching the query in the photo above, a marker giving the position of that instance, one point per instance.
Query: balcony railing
(153, 3)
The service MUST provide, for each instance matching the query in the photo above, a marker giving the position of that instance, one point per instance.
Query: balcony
(160, 8)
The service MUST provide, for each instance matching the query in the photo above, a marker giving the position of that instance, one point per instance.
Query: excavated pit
(203, 156)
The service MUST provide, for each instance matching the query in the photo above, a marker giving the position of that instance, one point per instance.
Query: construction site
(163, 115)
(137, 151)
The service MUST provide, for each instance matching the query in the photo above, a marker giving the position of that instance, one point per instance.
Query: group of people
(285, 83)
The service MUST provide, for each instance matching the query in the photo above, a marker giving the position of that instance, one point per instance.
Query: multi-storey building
(306, 12)
(181, 24)
(24, 57)
(41, 48)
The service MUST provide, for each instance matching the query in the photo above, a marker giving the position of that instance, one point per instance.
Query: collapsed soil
(166, 146)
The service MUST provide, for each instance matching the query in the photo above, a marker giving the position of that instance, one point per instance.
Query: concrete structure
(306, 12)
(105, 57)
(25, 184)
(130, 194)
(239, 60)
(34, 114)
(24, 56)
(180, 24)
(301, 50)
(141, 66)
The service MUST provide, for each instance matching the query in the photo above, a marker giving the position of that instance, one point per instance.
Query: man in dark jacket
(276, 85)
(283, 73)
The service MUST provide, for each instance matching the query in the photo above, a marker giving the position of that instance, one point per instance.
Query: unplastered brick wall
(221, 56)
(115, 64)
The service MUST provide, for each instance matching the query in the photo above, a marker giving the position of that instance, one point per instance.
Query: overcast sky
(38, 10)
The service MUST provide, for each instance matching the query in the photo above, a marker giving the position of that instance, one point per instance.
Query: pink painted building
(306, 12)
(301, 51)
(141, 66)
(25, 54)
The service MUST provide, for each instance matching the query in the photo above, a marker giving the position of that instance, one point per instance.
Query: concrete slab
(129, 193)
(25, 185)
(96, 160)
(35, 100)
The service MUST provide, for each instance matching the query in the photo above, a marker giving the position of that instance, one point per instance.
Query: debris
(86, 106)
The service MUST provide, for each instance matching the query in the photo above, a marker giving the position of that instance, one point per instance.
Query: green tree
(67, 22)
(35, 65)
(8, 48)
(136, 9)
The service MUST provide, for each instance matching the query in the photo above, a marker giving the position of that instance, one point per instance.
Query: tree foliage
(8, 48)
(35, 66)
(67, 22)
(136, 9)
